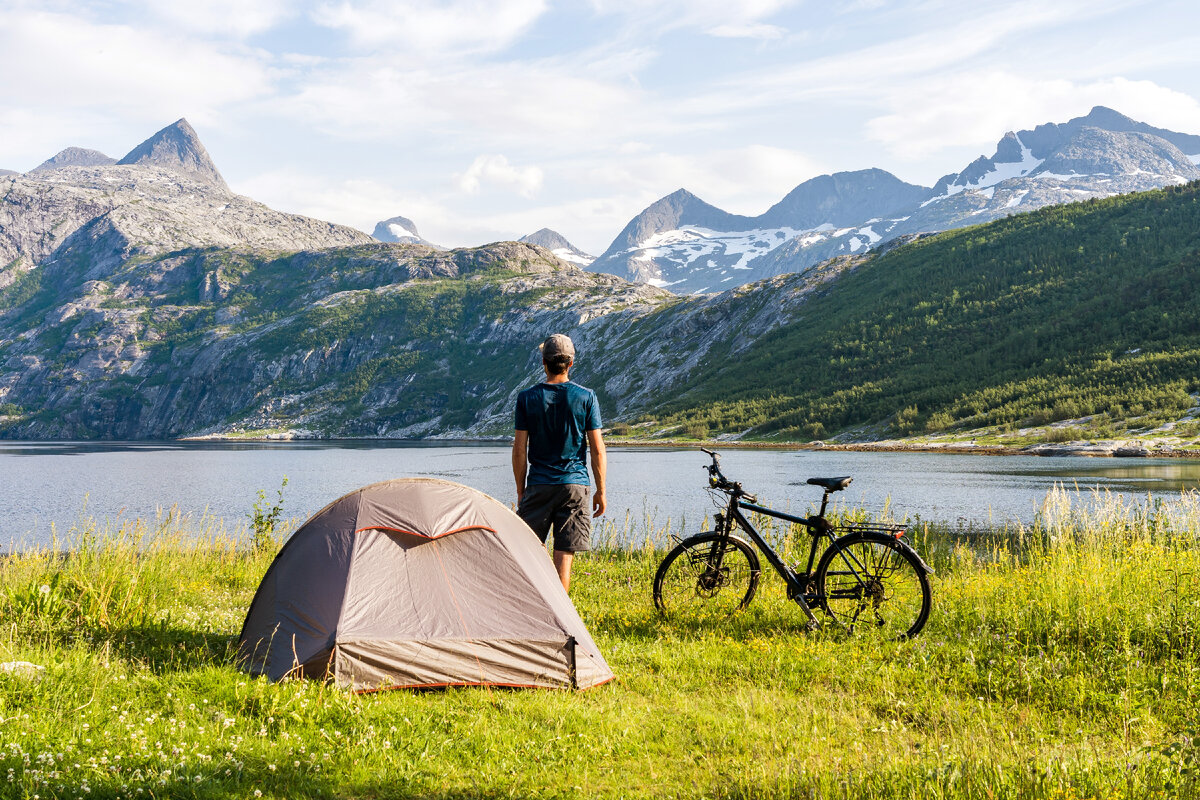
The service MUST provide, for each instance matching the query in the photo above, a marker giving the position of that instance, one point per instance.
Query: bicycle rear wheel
(872, 585)
(706, 575)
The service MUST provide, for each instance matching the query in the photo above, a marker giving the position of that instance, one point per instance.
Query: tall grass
(1061, 661)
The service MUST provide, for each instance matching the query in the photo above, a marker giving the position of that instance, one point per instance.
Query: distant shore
(1125, 448)
(1078, 449)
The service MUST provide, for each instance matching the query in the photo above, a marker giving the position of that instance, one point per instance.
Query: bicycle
(868, 579)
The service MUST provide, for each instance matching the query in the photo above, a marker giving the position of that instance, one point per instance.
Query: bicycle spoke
(708, 576)
(881, 594)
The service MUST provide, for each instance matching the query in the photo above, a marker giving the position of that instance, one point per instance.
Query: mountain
(75, 157)
(687, 245)
(137, 301)
(1074, 322)
(845, 198)
(105, 215)
(1076, 319)
(1102, 154)
(366, 340)
(400, 230)
(556, 243)
(177, 148)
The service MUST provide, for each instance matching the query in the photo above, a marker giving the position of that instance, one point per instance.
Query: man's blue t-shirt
(558, 417)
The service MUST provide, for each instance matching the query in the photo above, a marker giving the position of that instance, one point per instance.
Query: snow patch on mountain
(572, 257)
(1016, 199)
(557, 244)
(1000, 171)
(690, 243)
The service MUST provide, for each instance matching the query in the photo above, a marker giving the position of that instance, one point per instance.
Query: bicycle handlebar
(717, 479)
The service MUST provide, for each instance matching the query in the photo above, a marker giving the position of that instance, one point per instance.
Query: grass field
(1061, 661)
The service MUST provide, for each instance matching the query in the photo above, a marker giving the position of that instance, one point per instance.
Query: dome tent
(417, 583)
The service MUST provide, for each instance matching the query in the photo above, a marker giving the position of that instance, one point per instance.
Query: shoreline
(1121, 448)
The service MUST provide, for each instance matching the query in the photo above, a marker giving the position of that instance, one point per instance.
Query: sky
(485, 120)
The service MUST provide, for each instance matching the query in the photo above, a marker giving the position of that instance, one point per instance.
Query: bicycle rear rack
(885, 529)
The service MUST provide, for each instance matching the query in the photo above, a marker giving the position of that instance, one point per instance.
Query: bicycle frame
(818, 529)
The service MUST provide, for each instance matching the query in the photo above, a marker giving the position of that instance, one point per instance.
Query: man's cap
(557, 344)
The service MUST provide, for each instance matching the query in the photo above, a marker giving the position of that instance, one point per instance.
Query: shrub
(264, 518)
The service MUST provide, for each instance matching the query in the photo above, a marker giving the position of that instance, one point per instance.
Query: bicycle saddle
(831, 484)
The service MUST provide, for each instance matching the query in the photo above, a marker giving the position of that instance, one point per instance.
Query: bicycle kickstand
(813, 622)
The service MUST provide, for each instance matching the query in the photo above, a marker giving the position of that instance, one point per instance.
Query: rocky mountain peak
(177, 148)
(556, 243)
(546, 238)
(397, 229)
(75, 157)
(1045, 138)
(843, 198)
(401, 230)
(677, 209)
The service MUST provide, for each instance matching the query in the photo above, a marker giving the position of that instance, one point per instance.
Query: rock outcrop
(177, 148)
(75, 157)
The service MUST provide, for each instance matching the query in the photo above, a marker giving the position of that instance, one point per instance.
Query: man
(557, 422)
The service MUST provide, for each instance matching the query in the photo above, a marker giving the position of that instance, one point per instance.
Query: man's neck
(563, 378)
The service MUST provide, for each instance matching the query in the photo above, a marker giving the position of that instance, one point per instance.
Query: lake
(49, 485)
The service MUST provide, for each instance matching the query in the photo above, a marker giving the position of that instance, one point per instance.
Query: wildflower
(45, 589)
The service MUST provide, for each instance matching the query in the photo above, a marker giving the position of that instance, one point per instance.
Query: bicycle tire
(686, 584)
(892, 598)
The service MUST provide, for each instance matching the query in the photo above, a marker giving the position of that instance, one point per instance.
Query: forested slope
(1087, 312)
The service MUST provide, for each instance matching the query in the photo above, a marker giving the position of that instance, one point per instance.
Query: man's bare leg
(562, 563)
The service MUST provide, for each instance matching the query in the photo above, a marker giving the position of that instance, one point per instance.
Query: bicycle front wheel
(872, 585)
(706, 575)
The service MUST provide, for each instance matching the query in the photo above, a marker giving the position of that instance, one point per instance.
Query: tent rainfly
(418, 583)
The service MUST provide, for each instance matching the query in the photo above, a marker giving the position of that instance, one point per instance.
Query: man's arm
(520, 460)
(599, 469)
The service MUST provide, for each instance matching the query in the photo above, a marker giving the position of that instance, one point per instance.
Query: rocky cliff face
(365, 340)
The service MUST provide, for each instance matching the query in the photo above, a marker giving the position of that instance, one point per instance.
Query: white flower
(45, 589)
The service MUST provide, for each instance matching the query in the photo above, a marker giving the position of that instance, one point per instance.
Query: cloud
(759, 31)
(744, 180)
(431, 26)
(120, 70)
(868, 73)
(545, 105)
(976, 108)
(496, 171)
(693, 13)
(238, 18)
(357, 202)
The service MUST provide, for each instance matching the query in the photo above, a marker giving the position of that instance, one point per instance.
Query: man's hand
(599, 470)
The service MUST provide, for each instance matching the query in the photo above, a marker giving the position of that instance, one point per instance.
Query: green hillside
(1087, 312)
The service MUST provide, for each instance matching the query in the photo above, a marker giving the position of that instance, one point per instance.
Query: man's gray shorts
(567, 507)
